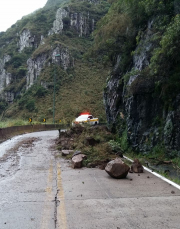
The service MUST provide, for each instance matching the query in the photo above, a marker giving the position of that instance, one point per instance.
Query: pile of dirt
(92, 141)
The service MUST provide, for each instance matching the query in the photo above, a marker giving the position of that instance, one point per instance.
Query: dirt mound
(92, 141)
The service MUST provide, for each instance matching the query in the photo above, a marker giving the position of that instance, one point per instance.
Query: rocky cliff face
(26, 40)
(80, 23)
(83, 24)
(5, 77)
(59, 56)
(133, 107)
(58, 23)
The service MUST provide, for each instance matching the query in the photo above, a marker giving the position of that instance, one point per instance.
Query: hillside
(141, 40)
(127, 50)
(47, 48)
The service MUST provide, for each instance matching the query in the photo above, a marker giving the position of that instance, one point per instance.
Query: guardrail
(9, 132)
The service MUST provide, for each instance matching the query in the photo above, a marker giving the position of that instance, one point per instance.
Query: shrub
(22, 102)
(66, 22)
(3, 105)
(21, 71)
(41, 91)
(115, 146)
(30, 106)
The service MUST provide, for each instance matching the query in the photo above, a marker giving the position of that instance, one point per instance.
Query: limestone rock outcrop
(82, 23)
(58, 23)
(26, 40)
(5, 77)
(60, 56)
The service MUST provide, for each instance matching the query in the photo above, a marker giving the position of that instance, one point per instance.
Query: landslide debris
(91, 141)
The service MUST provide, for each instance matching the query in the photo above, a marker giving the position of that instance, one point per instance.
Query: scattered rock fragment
(77, 160)
(76, 153)
(66, 152)
(136, 166)
(117, 168)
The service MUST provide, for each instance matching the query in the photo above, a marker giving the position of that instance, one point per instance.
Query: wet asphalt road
(40, 190)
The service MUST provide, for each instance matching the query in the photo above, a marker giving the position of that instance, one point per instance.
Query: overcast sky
(13, 10)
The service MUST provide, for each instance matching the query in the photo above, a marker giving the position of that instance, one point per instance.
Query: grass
(11, 122)
(18, 122)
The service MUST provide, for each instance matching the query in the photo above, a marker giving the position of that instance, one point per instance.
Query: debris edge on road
(157, 174)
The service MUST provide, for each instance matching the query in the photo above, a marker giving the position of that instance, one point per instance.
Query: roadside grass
(17, 122)
(11, 122)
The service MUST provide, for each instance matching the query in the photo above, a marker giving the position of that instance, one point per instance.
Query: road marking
(158, 175)
(46, 217)
(61, 212)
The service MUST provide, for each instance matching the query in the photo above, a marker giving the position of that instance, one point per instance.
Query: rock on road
(39, 190)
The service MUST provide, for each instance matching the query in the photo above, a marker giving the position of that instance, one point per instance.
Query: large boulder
(77, 160)
(117, 168)
(136, 166)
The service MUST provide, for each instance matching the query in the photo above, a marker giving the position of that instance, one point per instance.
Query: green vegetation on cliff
(78, 88)
(140, 38)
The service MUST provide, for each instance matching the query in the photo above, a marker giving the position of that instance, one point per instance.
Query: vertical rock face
(5, 77)
(134, 109)
(58, 23)
(112, 96)
(60, 55)
(82, 24)
(26, 40)
(34, 68)
(9, 97)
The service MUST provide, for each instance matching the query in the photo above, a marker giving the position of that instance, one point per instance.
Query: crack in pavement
(57, 202)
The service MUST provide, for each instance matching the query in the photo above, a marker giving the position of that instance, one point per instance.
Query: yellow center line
(49, 196)
(61, 212)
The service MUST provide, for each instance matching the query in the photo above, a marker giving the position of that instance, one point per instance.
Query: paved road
(39, 190)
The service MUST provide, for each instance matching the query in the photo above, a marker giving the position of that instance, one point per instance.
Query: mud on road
(40, 190)
(10, 161)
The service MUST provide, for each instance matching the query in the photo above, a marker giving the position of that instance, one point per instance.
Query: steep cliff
(142, 96)
(51, 41)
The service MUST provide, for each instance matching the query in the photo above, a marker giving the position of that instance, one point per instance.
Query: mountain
(142, 96)
(123, 54)
(47, 48)
(51, 3)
